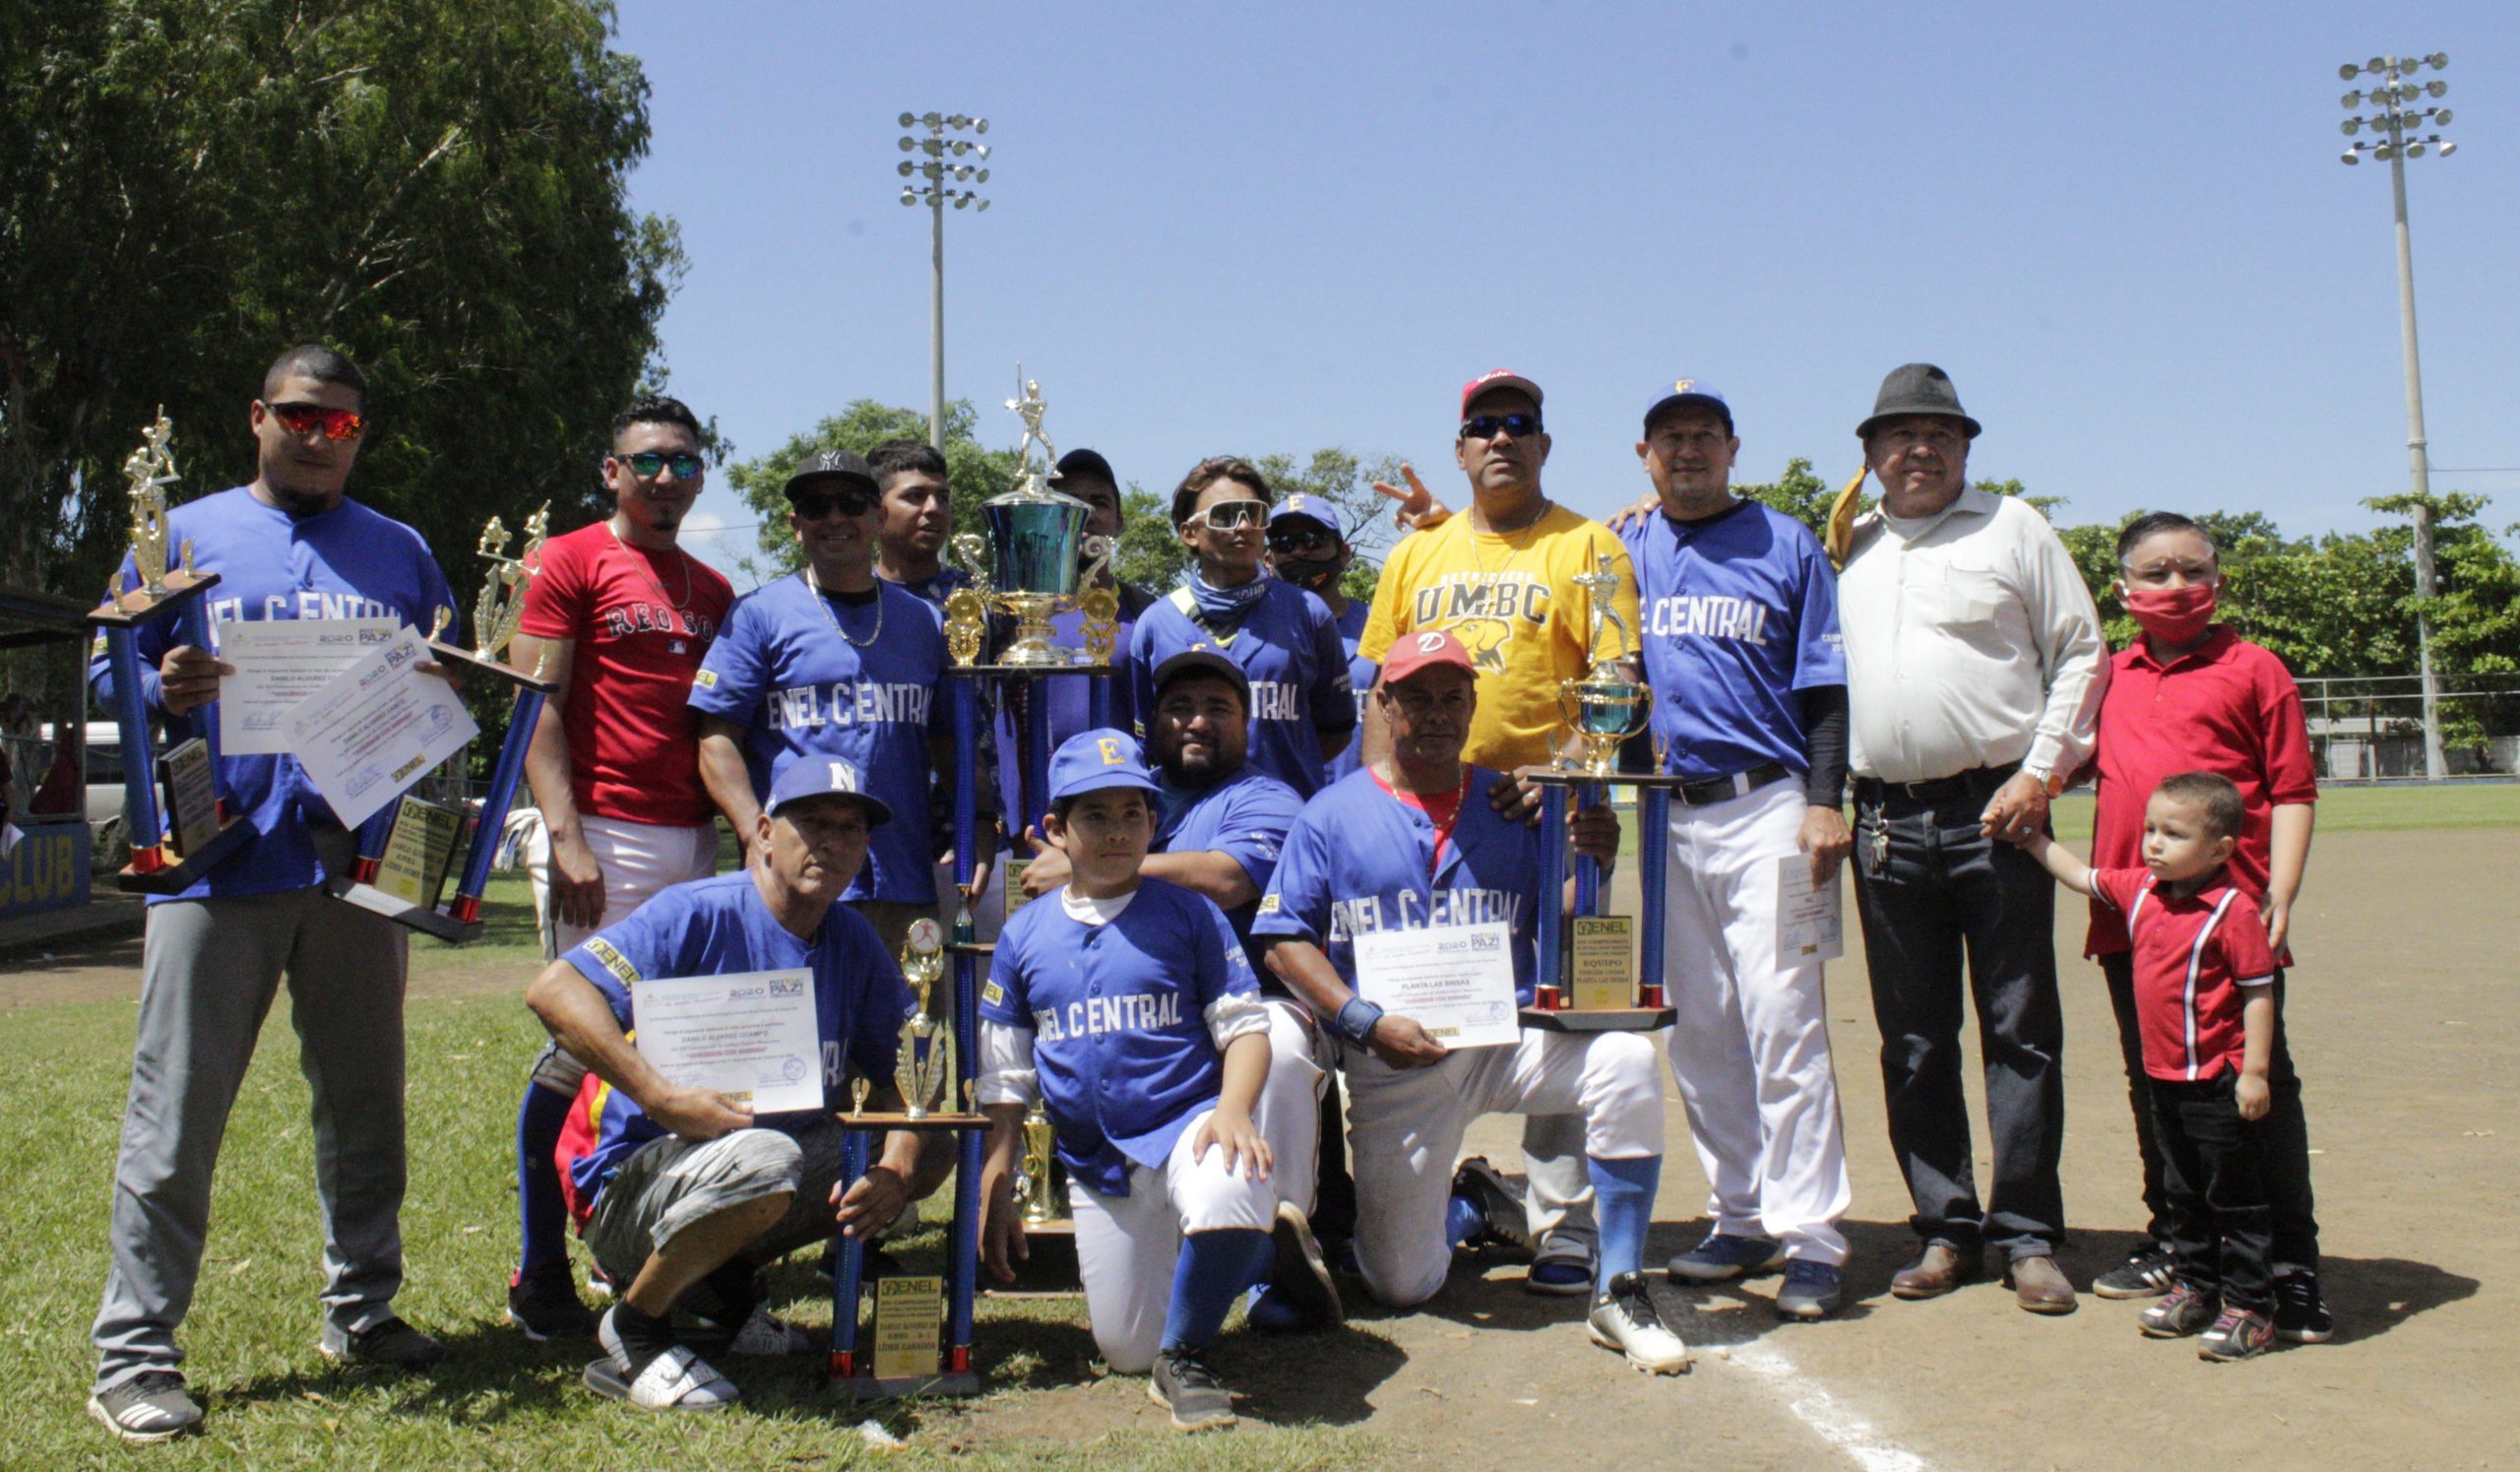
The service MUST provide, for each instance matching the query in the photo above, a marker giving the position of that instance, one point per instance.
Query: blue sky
(2123, 228)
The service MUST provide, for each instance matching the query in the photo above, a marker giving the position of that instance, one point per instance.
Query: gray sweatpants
(210, 970)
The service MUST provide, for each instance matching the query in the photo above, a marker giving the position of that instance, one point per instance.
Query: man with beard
(619, 615)
(287, 546)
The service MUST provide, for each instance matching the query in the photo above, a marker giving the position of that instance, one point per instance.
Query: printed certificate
(369, 733)
(750, 1036)
(279, 662)
(1457, 981)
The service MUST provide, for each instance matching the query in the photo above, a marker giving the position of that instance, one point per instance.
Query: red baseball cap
(1496, 378)
(1411, 654)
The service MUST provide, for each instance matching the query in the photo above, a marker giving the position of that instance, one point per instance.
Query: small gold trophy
(1035, 535)
(1604, 707)
(151, 470)
(919, 1068)
(501, 605)
(1033, 1188)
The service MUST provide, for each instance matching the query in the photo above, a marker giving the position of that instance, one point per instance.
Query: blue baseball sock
(544, 1212)
(1215, 1269)
(1623, 1200)
(1463, 1220)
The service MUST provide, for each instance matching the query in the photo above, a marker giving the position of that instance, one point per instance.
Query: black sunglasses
(815, 505)
(1485, 427)
(647, 463)
(1287, 540)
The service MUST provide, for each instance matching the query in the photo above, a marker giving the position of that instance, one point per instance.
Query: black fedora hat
(1917, 388)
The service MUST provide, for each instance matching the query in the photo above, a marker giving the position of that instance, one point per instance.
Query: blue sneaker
(1721, 1258)
(1810, 1291)
(1270, 1314)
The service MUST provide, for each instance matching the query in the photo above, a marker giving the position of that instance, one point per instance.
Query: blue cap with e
(1691, 392)
(1092, 760)
(818, 776)
(1306, 504)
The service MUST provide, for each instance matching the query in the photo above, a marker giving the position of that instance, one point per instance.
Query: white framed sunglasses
(1230, 516)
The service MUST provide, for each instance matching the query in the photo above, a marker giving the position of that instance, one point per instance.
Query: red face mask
(2174, 615)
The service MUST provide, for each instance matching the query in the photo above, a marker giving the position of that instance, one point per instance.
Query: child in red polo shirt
(2191, 695)
(2205, 1003)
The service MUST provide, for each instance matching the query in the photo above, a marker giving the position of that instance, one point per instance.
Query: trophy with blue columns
(405, 851)
(175, 840)
(1596, 972)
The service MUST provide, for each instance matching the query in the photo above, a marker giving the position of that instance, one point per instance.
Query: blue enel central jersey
(797, 687)
(722, 927)
(1244, 817)
(1119, 1017)
(1739, 612)
(1358, 859)
(1289, 649)
(348, 563)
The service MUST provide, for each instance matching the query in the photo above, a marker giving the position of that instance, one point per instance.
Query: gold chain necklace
(1513, 549)
(822, 600)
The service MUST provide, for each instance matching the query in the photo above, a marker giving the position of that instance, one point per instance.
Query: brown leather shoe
(2040, 1286)
(1938, 1269)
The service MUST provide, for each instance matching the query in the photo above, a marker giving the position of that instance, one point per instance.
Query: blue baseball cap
(1690, 391)
(1306, 504)
(816, 776)
(1092, 760)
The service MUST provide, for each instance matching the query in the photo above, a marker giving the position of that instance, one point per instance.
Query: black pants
(2214, 1190)
(2284, 1135)
(1939, 891)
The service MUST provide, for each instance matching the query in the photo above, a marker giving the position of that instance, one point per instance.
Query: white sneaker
(676, 1379)
(1624, 1319)
(766, 1334)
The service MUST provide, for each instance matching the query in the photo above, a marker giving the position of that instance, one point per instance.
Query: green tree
(438, 188)
(1798, 493)
(973, 471)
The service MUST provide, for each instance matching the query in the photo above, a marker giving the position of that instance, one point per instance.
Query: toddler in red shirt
(2204, 977)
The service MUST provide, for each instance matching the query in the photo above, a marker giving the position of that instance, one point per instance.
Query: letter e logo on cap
(1110, 748)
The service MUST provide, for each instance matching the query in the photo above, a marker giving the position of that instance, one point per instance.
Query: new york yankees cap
(816, 776)
(829, 465)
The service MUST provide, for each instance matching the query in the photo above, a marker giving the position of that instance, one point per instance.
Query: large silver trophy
(1606, 707)
(1035, 535)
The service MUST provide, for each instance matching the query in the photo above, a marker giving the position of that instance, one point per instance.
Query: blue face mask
(1227, 605)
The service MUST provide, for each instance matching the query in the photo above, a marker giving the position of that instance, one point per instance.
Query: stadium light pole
(941, 162)
(2398, 108)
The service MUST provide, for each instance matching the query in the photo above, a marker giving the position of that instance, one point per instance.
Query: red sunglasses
(302, 419)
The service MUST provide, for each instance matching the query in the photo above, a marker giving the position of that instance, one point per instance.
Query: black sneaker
(389, 1342)
(151, 1406)
(2301, 1313)
(2145, 1274)
(1299, 1276)
(543, 1303)
(1184, 1384)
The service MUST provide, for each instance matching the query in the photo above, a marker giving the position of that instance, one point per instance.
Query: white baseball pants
(1751, 1050)
(1127, 1247)
(638, 859)
(1288, 1114)
(1405, 1130)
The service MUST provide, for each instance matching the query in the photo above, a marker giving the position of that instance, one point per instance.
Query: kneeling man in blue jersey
(683, 1193)
(1128, 1006)
(1409, 843)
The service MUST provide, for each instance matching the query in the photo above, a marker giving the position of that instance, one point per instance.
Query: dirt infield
(2408, 1032)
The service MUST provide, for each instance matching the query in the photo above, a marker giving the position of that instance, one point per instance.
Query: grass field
(2341, 810)
(499, 1401)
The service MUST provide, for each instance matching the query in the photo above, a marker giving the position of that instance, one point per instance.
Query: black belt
(1976, 782)
(1725, 789)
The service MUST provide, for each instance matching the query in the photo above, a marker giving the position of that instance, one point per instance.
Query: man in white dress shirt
(1975, 666)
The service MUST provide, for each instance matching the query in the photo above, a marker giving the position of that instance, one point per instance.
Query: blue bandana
(1227, 605)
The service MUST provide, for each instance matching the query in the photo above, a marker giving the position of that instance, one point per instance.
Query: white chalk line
(1838, 1423)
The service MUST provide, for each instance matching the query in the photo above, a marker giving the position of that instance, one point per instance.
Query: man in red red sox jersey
(623, 614)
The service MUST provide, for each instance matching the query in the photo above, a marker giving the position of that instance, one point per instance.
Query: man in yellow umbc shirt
(1501, 576)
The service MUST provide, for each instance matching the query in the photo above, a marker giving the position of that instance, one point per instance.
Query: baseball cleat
(1184, 1384)
(1500, 1206)
(1722, 1257)
(1624, 1319)
(1300, 1278)
(1810, 1291)
(151, 1406)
